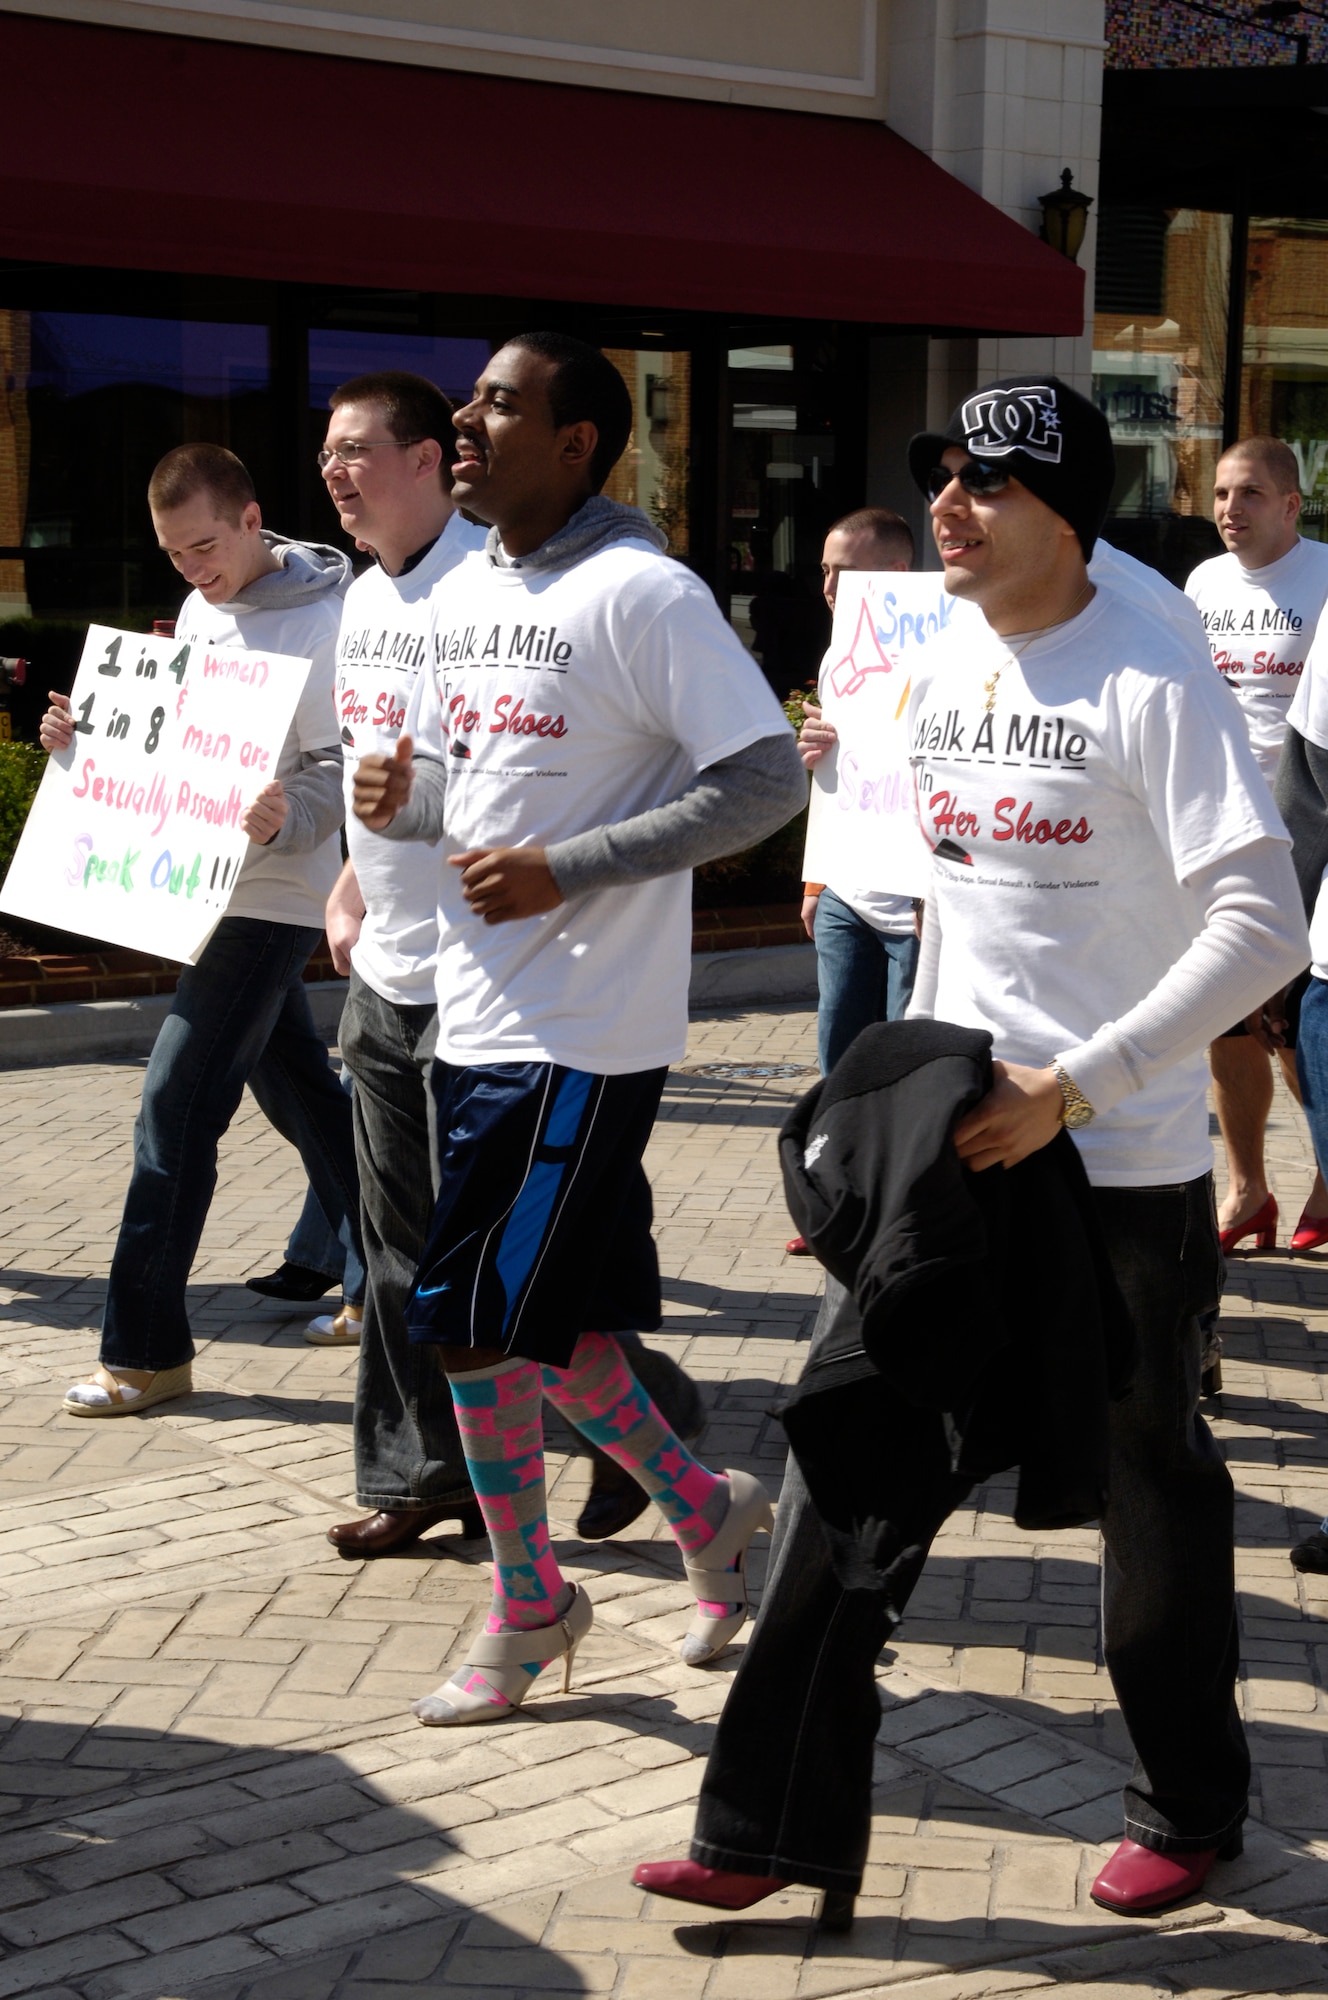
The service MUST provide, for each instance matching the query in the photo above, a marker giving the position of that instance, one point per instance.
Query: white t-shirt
(274, 886)
(1064, 825)
(1259, 624)
(563, 702)
(1129, 577)
(387, 634)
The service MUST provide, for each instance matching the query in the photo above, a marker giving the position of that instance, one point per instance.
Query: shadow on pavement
(154, 1864)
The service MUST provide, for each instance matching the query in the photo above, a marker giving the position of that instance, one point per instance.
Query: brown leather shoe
(392, 1529)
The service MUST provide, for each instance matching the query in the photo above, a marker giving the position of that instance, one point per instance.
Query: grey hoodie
(315, 805)
(729, 807)
(595, 525)
(308, 571)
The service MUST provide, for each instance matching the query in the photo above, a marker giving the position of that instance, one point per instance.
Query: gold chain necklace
(989, 685)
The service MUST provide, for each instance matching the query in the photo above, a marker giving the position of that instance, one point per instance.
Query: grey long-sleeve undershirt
(315, 803)
(728, 808)
(1301, 795)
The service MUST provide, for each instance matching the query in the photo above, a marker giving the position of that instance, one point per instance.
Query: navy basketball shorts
(541, 1230)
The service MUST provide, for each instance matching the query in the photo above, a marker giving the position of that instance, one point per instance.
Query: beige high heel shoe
(500, 1657)
(712, 1578)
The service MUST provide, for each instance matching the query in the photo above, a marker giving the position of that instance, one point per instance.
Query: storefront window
(1284, 380)
(92, 401)
(335, 357)
(785, 489)
(1159, 350)
(653, 472)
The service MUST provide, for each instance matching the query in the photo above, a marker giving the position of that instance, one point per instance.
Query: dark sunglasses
(975, 475)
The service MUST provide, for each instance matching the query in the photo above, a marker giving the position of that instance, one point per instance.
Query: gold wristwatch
(1075, 1107)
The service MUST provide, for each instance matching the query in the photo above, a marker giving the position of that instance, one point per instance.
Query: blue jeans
(864, 976)
(787, 1789)
(315, 1245)
(239, 1016)
(1312, 1069)
(1312, 1064)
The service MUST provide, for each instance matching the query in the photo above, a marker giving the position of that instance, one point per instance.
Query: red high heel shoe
(1140, 1882)
(716, 1888)
(1262, 1226)
(1311, 1232)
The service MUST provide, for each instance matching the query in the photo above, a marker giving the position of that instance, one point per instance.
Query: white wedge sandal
(717, 1573)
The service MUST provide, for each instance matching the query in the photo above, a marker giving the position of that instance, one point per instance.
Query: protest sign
(134, 835)
(862, 831)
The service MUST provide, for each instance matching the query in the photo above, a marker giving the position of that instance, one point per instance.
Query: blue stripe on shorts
(523, 1231)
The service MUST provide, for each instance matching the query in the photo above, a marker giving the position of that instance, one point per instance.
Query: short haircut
(1283, 467)
(585, 387)
(413, 407)
(201, 468)
(886, 527)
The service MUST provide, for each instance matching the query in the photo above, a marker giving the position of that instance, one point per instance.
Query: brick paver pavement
(210, 1785)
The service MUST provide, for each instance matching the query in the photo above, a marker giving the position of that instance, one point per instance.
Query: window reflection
(1284, 383)
(336, 357)
(92, 401)
(1159, 349)
(653, 472)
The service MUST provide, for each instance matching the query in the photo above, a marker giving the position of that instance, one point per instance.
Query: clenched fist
(382, 785)
(504, 883)
(264, 818)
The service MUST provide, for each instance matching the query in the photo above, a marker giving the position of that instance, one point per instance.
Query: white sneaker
(339, 1330)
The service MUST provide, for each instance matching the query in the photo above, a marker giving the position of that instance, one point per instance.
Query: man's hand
(56, 729)
(265, 817)
(809, 914)
(1020, 1114)
(343, 919)
(382, 785)
(816, 738)
(504, 883)
(1268, 1024)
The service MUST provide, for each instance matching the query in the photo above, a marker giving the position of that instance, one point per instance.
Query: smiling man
(1260, 603)
(384, 462)
(592, 730)
(240, 1015)
(1111, 883)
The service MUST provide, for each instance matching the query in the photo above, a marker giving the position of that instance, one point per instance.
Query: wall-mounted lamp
(1065, 216)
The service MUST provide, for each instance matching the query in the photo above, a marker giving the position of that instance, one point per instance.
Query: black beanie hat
(1052, 439)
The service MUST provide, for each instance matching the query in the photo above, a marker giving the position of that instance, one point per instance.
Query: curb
(75, 1031)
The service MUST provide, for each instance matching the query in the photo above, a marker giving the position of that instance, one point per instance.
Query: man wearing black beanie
(1111, 887)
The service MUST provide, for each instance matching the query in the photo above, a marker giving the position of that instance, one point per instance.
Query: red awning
(162, 153)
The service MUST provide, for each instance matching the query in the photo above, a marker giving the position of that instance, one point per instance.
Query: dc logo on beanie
(997, 421)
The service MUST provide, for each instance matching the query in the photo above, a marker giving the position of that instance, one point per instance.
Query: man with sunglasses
(1111, 884)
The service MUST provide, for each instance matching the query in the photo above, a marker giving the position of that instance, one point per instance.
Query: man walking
(240, 1015)
(386, 472)
(1136, 792)
(385, 469)
(1260, 604)
(865, 936)
(592, 731)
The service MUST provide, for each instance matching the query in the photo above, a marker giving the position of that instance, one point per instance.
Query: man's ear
(578, 445)
(431, 457)
(251, 520)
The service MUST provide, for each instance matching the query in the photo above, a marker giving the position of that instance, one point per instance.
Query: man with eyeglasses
(1111, 884)
(386, 472)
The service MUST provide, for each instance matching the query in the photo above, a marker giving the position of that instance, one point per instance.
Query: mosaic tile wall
(1169, 34)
